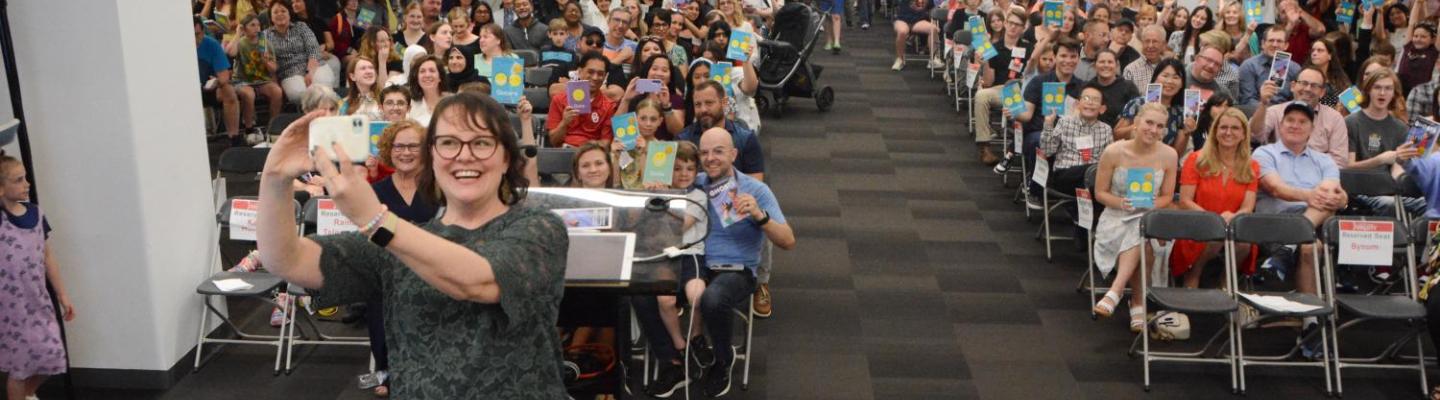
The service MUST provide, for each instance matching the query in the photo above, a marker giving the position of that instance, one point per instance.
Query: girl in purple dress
(30, 343)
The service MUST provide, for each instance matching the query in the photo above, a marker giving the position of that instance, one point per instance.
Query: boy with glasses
(1257, 70)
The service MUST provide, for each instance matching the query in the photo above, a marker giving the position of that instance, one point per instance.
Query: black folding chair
(1379, 306)
(1200, 226)
(1282, 229)
(553, 162)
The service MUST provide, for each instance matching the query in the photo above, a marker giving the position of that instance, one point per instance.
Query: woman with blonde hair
(1219, 178)
(1118, 245)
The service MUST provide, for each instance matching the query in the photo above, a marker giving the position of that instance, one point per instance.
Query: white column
(112, 98)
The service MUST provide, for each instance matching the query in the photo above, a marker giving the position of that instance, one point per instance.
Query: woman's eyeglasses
(448, 147)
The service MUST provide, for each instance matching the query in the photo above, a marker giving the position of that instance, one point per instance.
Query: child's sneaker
(277, 315)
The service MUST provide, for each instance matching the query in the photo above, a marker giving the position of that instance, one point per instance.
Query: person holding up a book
(567, 125)
(1295, 178)
(1378, 139)
(1067, 56)
(659, 316)
(743, 214)
(1330, 136)
(1135, 175)
(1076, 141)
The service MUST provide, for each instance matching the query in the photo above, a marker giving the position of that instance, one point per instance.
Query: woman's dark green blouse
(443, 348)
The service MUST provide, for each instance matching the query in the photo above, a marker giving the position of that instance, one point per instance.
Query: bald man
(743, 213)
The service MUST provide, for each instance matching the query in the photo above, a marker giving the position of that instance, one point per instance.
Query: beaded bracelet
(375, 221)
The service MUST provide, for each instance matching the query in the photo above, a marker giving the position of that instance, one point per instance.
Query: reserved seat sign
(242, 219)
(329, 220)
(1367, 242)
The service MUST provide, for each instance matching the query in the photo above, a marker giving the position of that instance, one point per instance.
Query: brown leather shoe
(762, 301)
(986, 155)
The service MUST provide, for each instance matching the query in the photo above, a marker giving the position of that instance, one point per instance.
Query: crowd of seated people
(361, 57)
(1271, 130)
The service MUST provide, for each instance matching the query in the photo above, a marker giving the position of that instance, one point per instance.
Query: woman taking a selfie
(471, 296)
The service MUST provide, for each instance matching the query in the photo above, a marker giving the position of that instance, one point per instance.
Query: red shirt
(594, 125)
(1299, 44)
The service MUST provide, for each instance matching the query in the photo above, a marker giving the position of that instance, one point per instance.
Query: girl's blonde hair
(1209, 163)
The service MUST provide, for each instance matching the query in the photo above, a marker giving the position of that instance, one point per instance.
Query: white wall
(112, 102)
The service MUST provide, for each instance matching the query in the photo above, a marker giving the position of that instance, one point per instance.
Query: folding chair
(530, 57)
(311, 216)
(1047, 208)
(1282, 229)
(279, 123)
(538, 76)
(1200, 226)
(1368, 307)
(262, 286)
(1087, 280)
(554, 162)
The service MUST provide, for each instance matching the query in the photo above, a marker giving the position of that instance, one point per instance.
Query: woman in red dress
(1220, 178)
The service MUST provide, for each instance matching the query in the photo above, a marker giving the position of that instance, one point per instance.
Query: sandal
(1106, 306)
(1137, 319)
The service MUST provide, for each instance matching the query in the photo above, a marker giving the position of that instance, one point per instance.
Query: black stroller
(785, 68)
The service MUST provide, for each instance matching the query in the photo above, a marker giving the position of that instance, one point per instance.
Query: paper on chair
(232, 284)
(1278, 303)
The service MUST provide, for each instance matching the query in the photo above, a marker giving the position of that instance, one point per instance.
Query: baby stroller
(785, 69)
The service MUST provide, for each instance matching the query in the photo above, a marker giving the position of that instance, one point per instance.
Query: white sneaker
(936, 63)
(899, 64)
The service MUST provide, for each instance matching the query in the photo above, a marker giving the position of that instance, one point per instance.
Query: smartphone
(351, 132)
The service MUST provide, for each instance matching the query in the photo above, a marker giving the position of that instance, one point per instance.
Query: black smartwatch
(760, 222)
(529, 150)
(382, 237)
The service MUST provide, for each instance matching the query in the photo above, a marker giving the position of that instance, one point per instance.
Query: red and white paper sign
(1084, 208)
(242, 219)
(1086, 145)
(329, 220)
(1367, 242)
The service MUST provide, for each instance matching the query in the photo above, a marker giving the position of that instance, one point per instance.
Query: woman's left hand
(347, 186)
(1190, 124)
(67, 309)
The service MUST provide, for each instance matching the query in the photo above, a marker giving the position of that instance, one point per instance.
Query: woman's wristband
(369, 227)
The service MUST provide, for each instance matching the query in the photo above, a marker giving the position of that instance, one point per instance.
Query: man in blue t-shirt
(709, 99)
(743, 213)
(215, 64)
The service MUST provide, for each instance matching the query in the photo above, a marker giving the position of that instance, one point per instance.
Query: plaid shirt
(293, 50)
(1139, 73)
(1421, 101)
(1061, 141)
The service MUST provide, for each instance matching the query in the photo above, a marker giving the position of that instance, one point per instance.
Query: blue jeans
(866, 11)
(1385, 205)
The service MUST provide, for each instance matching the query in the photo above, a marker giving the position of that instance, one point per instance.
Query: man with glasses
(527, 33)
(743, 214)
(1209, 73)
(1257, 70)
(1152, 49)
(568, 127)
(1329, 136)
(395, 103)
(617, 48)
